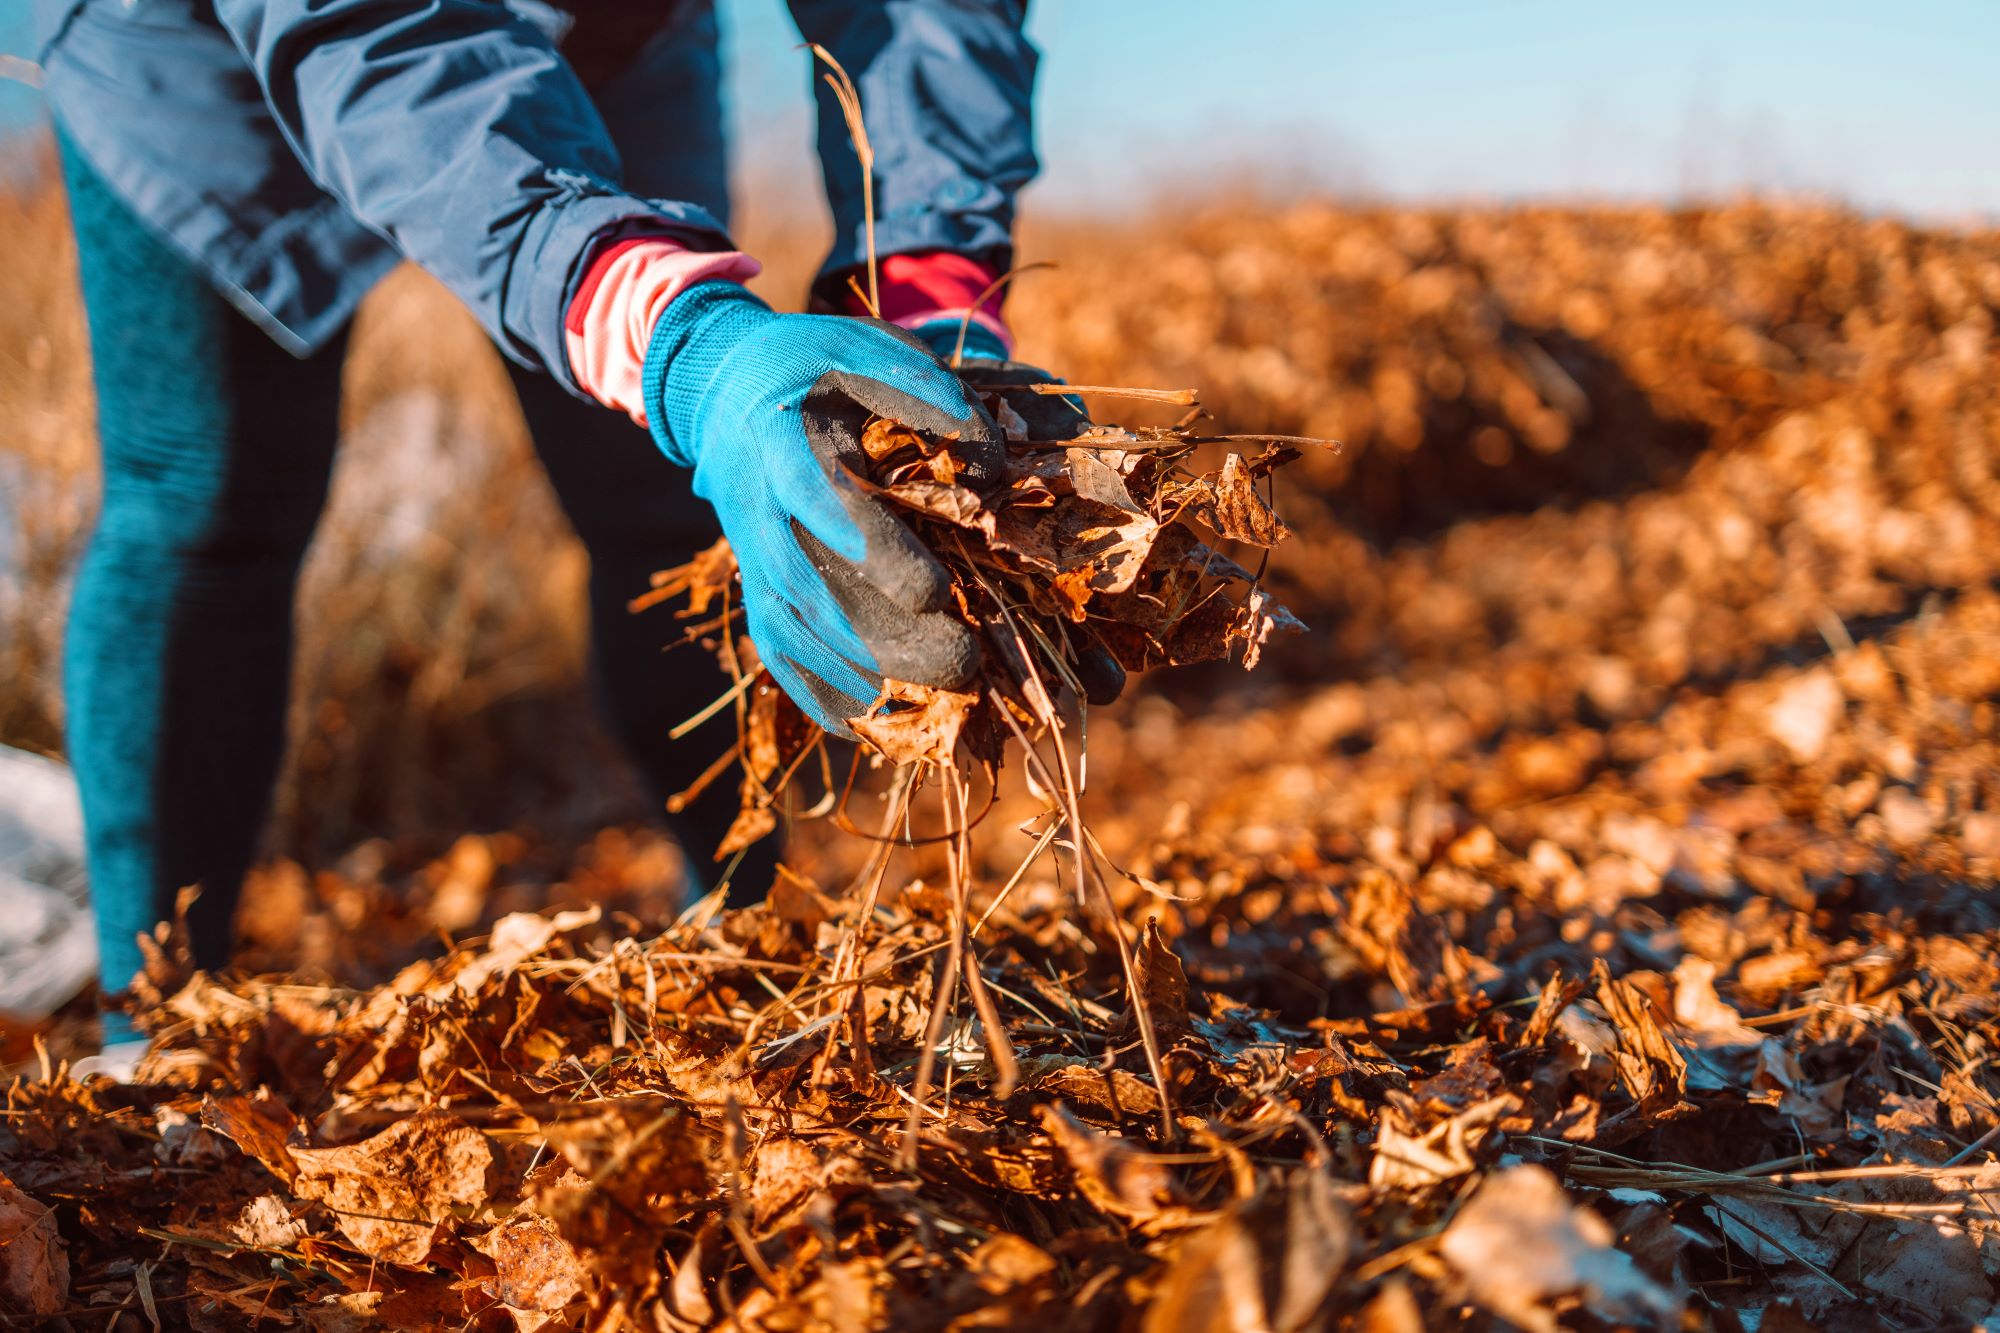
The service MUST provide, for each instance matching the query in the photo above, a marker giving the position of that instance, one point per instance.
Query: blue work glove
(981, 343)
(768, 410)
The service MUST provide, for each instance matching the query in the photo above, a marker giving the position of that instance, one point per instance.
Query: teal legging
(217, 446)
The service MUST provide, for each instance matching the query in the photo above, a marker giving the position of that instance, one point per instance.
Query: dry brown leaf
(1091, 476)
(645, 1151)
(348, 1312)
(1162, 988)
(686, 1304)
(1237, 512)
(1118, 1179)
(516, 938)
(704, 581)
(947, 502)
(34, 1262)
(267, 1223)
(1408, 1161)
(882, 439)
(775, 732)
(1261, 617)
(535, 1271)
(261, 1126)
(1114, 1092)
(752, 822)
(1319, 1240)
(393, 1194)
(1719, 1045)
(1699, 1011)
(1213, 1283)
(1651, 1068)
(922, 724)
(1519, 1244)
(1780, 1080)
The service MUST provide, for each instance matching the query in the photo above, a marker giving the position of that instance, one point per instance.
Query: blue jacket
(296, 148)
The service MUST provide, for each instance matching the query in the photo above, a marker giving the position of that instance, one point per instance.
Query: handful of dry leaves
(1080, 566)
(1076, 568)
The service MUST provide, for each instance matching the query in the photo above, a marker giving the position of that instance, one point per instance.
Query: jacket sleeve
(945, 94)
(457, 131)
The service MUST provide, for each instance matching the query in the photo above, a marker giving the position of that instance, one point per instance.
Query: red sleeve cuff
(927, 283)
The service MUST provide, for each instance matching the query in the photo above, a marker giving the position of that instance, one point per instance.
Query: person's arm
(459, 133)
(946, 87)
(456, 130)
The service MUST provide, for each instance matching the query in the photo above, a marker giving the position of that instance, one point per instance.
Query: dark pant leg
(633, 509)
(637, 513)
(216, 450)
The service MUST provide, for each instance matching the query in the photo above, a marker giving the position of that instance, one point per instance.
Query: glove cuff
(630, 284)
(688, 346)
(981, 342)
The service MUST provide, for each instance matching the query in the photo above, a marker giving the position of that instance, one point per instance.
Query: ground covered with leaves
(1589, 924)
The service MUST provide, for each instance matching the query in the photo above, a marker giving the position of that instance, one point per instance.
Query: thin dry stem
(965, 320)
(1147, 1038)
(1178, 397)
(874, 872)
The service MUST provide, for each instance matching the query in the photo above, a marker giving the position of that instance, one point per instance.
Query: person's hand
(768, 410)
(966, 341)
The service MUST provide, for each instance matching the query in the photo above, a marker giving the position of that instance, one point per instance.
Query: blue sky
(1891, 107)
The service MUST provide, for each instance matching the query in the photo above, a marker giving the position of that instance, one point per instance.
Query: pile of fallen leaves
(1609, 942)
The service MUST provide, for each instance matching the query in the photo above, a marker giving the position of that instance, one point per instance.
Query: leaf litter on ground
(1593, 955)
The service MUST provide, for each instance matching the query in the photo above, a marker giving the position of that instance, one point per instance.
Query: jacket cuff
(940, 287)
(626, 288)
(554, 255)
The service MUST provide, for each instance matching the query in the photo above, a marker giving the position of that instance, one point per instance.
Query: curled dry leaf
(1405, 1160)
(1233, 509)
(1162, 988)
(1117, 1178)
(263, 1127)
(1651, 1067)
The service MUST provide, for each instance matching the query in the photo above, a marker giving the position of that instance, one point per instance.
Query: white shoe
(118, 1062)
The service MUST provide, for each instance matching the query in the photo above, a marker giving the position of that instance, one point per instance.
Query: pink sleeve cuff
(627, 288)
(929, 285)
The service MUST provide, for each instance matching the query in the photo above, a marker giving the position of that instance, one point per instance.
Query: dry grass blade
(849, 99)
